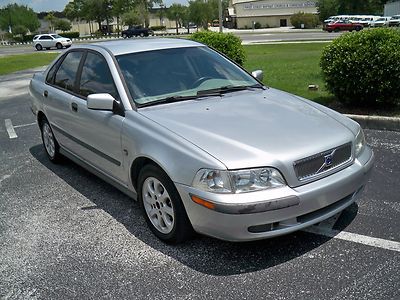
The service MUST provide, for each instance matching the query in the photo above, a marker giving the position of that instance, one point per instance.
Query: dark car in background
(136, 31)
(343, 25)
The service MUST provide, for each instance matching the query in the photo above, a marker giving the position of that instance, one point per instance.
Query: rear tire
(50, 143)
(124, 35)
(162, 206)
(38, 47)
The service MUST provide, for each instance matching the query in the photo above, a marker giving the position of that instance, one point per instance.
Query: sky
(58, 5)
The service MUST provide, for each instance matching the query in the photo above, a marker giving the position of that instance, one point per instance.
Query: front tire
(38, 47)
(49, 142)
(59, 46)
(162, 206)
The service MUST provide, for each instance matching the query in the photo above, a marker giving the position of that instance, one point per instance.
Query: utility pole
(220, 14)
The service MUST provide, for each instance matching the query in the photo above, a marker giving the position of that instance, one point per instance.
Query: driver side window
(96, 77)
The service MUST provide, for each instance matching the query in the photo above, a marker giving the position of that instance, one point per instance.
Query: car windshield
(180, 74)
(56, 36)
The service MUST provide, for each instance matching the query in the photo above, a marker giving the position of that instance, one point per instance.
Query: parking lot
(65, 233)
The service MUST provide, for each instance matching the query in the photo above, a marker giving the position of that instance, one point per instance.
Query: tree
(131, 18)
(74, 11)
(20, 29)
(63, 25)
(177, 13)
(51, 19)
(13, 15)
(198, 13)
(327, 8)
(119, 7)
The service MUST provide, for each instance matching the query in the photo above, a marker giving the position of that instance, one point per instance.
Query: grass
(290, 67)
(13, 63)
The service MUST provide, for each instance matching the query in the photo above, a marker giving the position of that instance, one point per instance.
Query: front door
(97, 134)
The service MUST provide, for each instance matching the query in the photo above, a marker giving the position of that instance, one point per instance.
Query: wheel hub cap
(158, 205)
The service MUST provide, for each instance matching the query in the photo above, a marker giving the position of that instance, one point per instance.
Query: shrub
(70, 35)
(28, 37)
(227, 43)
(257, 25)
(363, 68)
(309, 20)
(158, 28)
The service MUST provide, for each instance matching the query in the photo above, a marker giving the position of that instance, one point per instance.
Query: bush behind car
(226, 43)
(363, 68)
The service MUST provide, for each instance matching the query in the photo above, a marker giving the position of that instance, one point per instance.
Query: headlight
(359, 143)
(239, 181)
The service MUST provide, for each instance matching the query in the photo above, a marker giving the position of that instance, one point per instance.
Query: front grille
(323, 162)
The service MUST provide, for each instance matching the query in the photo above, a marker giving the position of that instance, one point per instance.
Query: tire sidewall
(178, 232)
(56, 156)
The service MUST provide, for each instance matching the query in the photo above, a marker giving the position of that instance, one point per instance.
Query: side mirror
(100, 102)
(258, 74)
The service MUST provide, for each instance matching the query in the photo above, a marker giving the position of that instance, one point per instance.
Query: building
(392, 8)
(268, 13)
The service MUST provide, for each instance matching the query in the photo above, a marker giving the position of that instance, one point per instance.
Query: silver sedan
(203, 145)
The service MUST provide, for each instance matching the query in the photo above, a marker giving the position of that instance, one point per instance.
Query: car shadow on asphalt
(203, 254)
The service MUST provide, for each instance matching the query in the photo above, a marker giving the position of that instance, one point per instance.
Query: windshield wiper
(172, 99)
(229, 88)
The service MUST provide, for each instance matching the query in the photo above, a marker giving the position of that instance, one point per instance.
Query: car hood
(253, 128)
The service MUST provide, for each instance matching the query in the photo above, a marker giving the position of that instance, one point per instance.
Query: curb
(377, 122)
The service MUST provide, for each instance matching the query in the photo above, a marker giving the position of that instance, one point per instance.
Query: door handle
(74, 106)
(45, 93)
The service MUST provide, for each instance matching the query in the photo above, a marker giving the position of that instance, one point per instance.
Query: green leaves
(18, 15)
(363, 68)
(227, 43)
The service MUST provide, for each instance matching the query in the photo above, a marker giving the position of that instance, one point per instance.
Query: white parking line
(354, 237)
(10, 129)
(24, 125)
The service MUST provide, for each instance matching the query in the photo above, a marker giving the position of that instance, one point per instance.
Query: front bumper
(277, 211)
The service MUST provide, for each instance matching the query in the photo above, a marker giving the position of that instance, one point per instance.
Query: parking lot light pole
(220, 14)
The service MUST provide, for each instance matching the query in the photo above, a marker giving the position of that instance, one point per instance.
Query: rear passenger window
(96, 77)
(66, 74)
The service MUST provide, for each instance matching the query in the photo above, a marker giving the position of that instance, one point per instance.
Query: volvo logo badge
(328, 160)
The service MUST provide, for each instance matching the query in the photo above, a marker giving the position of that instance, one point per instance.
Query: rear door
(60, 87)
(46, 41)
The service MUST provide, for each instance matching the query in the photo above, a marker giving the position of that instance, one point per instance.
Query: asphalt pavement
(66, 234)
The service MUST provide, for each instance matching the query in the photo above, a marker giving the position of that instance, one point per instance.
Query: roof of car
(119, 47)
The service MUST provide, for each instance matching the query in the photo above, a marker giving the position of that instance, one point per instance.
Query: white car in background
(381, 22)
(394, 21)
(48, 41)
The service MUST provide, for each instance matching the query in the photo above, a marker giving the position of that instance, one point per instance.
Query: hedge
(227, 43)
(70, 35)
(363, 69)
